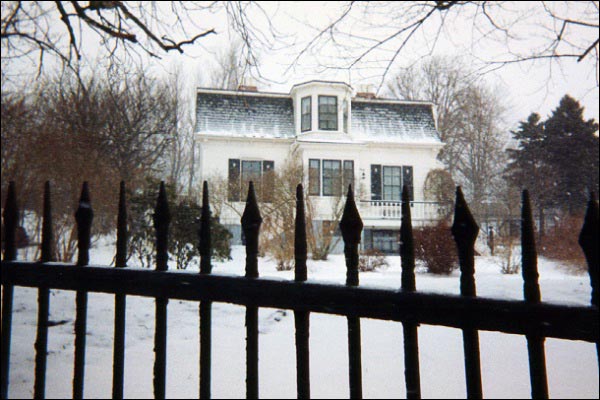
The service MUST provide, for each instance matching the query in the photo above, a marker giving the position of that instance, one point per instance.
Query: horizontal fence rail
(529, 317)
(509, 316)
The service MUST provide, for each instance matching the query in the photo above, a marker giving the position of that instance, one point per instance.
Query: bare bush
(435, 246)
(371, 260)
(561, 242)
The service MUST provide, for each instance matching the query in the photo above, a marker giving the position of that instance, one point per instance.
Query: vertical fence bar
(11, 220)
(205, 306)
(41, 342)
(588, 240)
(162, 218)
(411, 338)
(351, 226)
(120, 299)
(531, 290)
(83, 217)
(301, 318)
(465, 230)
(251, 221)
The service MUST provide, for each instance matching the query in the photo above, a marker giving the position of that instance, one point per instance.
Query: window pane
(251, 172)
(314, 177)
(328, 112)
(332, 178)
(305, 124)
(392, 183)
(348, 175)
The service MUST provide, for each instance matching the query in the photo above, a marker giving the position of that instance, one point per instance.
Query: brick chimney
(247, 88)
(365, 92)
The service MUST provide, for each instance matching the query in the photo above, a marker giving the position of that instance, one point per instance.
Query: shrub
(561, 242)
(435, 246)
(370, 260)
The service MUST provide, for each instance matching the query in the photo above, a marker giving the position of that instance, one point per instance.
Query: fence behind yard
(532, 318)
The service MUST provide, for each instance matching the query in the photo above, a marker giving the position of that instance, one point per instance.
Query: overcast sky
(527, 87)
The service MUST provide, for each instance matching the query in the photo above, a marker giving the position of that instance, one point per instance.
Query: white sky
(528, 87)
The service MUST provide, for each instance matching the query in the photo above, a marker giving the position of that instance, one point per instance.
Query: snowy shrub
(370, 260)
(435, 246)
(510, 256)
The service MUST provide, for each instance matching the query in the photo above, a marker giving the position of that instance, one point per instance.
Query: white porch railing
(392, 210)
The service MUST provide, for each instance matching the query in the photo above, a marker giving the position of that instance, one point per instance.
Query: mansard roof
(271, 115)
(393, 120)
(244, 114)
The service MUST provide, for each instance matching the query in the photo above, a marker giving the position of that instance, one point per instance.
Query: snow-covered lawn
(572, 366)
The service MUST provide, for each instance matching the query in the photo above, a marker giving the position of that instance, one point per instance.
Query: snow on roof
(271, 115)
(244, 114)
(375, 120)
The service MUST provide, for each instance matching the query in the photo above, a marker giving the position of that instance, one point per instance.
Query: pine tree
(571, 144)
(529, 166)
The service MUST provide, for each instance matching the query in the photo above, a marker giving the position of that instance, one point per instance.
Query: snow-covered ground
(572, 366)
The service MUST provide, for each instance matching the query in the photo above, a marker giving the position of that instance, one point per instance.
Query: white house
(376, 144)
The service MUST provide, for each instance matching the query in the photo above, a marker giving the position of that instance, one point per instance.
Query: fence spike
(120, 299)
(83, 217)
(41, 341)
(351, 224)
(465, 231)
(301, 318)
(47, 234)
(251, 221)
(300, 246)
(162, 219)
(529, 271)
(205, 237)
(531, 289)
(411, 341)
(205, 308)
(122, 233)
(407, 248)
(11, 220)
(588, 240)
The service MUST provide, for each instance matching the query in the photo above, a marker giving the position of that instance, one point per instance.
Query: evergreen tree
(571, 145)
(529, 166)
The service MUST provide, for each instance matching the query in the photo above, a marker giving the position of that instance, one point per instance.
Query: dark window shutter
(233, 192)
(375, 182)
(407, 180)
(268, 181)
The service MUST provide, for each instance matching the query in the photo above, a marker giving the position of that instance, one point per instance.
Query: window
(345, 115)
(305, 114)
(332, 178)
(328, 113)
(241, 172)
(386, 241)
(348, 175)
(392, 183)
(314, 177)
(387, 182)
(335, 176)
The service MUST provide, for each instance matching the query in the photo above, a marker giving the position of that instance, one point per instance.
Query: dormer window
(306, 115)
(328, 120)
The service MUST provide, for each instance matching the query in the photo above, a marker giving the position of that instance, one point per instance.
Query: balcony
(422, 212)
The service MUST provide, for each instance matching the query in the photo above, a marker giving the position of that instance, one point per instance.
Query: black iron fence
(532, 318)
